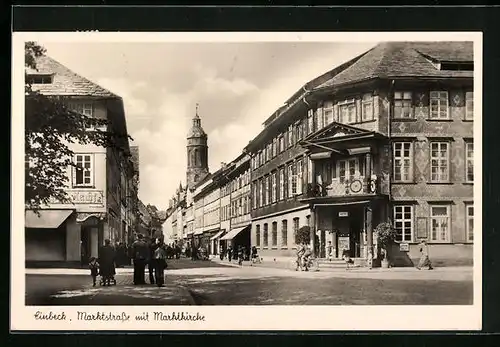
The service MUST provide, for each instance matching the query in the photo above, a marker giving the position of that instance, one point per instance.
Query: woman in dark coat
(107, 258)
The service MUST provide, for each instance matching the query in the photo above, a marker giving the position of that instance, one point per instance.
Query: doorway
(85, 245)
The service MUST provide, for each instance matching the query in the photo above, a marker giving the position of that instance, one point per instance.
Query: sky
(237, 86)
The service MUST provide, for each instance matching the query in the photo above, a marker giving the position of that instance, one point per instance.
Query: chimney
(222, 164)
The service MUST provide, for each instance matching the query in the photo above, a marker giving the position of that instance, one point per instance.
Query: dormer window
(39, 79)
(456, 66)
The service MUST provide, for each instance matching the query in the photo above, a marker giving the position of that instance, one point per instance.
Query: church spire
(197, 152)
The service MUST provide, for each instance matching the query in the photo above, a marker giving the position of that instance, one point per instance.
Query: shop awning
(47, 219)
(216, 236)
(200, 232)
(232, 234)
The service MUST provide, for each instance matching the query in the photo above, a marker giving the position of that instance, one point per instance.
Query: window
(284, 233)
(267, 191)
(469, 161)
(403, 161)
(261, 199)
(274, 234)
(39, 79)
(319, 119)
(439, 105)
(83, 108)
(281, 141)
(296, 222)
(281, 191)
(367, 108)
(347, 111)
(440, 223)
(469, 215)
(348, 169)
(275, 144)
(403, 223)
(403, 105)
(265, 238)
(308, 221)
(83, 173)
(439, 161)
(257, 235)
(290, 136)
(328, 112)
(292, 180)
(469, 105)
(299, 129)
(273, 187)
(299, 177)
(310, 122)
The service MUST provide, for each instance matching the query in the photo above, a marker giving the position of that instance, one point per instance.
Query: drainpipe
(389, 135)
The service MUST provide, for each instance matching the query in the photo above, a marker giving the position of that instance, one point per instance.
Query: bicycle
(312, 265)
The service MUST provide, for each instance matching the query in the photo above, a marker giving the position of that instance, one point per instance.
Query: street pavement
(219, 283)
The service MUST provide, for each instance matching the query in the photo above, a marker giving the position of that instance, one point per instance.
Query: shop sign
(404, 247)
(343, 214)
(86, 197)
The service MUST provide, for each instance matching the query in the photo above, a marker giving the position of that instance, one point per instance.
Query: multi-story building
(386, 136)
(99, 185)
(237, 209)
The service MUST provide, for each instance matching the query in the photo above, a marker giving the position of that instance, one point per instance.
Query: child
(94, 269)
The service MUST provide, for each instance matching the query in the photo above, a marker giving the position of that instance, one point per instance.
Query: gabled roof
(335, 130)
(405, 59)
(65, 82)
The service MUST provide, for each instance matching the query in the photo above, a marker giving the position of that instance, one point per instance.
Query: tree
(303, 235)
(50, 126)
(386, 234)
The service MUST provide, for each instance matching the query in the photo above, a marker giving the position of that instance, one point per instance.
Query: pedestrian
(240, 256)
(424, 257)
(107, 259)
(229, 253)
(329, 251)
(300, 254)
(221, 252)
(160, 261)
(151, 261)
(140, 253)
(94, 269)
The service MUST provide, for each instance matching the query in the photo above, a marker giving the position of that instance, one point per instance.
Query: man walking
(151, 260)
(140, 253)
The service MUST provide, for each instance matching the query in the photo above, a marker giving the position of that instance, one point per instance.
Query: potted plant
(386, 236)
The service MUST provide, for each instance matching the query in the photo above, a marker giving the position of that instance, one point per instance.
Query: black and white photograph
(330, 172)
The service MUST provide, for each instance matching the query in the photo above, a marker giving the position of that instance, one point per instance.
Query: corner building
(387, 135)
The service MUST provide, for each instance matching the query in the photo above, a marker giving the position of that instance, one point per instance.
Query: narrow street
(210, 283)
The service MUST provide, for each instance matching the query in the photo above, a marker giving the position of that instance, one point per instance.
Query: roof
(65, 82)
(406, 59)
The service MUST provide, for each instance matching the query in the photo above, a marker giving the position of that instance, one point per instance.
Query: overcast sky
(237, 85)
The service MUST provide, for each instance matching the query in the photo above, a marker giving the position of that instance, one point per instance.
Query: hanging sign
(343, 214)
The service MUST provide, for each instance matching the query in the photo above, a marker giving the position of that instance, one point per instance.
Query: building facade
(100, 185)
(385, 136)
(237, 185)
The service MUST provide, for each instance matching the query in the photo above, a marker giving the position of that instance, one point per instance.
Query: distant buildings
(102, 187)
(386, 136)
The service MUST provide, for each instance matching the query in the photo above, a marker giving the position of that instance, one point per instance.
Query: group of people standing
(239, 253)
(153, 254)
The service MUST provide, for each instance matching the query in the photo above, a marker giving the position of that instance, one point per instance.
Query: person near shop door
(140, 251)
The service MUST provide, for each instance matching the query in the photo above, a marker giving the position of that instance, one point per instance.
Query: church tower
(197, 153)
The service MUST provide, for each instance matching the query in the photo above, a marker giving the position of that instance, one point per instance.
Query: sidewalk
(455, 273)
(74, 287)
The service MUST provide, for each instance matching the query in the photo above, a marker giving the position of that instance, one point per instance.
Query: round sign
(356, 186)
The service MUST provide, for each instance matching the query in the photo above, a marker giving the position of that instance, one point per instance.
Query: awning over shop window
(233, 233)
(198, 232)
(216, 236)
(320, 155)
(48, 219)
(359, 150)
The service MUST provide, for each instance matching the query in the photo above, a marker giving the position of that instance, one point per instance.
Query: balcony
(352, 186)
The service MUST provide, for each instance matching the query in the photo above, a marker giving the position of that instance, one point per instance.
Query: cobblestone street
(209, 283)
